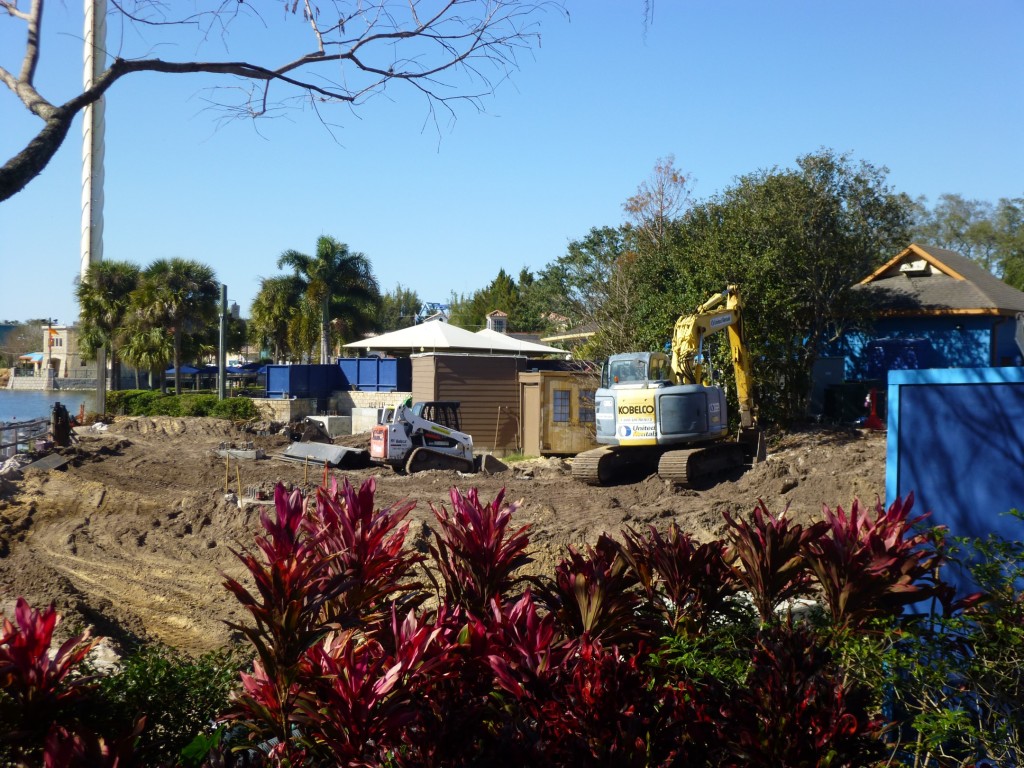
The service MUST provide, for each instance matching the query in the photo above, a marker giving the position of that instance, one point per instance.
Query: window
(560, 406)
(587, 406)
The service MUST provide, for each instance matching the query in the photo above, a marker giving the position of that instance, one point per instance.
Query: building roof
(579, 333)
(435, 336)
(930, 280)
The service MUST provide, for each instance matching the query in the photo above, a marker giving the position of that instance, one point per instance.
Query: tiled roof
(954, 284)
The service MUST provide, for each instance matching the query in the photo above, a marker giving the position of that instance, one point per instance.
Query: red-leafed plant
(364, 547)
(293, 586)
(872, 565)
(37, 683)
(594, 597)
(80, 747)
(688, 583)
(44, 697)
(476, 553)
(794, 711)
(770, 550)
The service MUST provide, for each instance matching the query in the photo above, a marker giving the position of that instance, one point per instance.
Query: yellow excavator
(658, 413)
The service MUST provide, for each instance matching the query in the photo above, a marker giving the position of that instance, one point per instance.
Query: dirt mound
(172, 426)
(135, 534)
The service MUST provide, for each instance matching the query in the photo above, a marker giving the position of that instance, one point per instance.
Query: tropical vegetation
(338, 289)
(648, 648)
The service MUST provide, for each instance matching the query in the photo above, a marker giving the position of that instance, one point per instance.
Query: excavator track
(609, 464)
(692, 466)
(586, 466)
(422, 459)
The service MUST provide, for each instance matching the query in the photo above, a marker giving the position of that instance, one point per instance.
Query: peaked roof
(434, 336)
(947, 283)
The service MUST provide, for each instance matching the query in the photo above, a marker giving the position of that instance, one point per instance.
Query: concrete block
(334, 425)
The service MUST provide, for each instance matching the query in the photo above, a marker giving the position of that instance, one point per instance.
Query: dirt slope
(135, 533)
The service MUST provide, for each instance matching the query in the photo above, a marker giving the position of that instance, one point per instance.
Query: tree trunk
(325, 329)
(177, 361)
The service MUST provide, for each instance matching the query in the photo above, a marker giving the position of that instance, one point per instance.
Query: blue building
(934, 308)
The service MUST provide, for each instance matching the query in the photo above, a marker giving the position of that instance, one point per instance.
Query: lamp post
(50, 322)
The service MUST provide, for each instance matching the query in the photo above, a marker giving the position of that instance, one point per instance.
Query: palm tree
(339, 282)
(104, 298)
(149, 349)
(180, 295)
(272, 311)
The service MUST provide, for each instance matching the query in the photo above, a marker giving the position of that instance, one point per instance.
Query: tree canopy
(340, 289)
(990, 234)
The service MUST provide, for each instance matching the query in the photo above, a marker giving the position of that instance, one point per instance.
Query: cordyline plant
(770, 550)
(293, 586)
(594, 597)
(364, 548)
(794, 711)
(42, 695)
(334, 561)
(687, 582)
(475, 553)
(870, 566)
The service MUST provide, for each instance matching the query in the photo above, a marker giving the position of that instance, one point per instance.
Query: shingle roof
(955, 284)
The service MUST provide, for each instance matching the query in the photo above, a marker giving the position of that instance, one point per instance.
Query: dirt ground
(133, 536)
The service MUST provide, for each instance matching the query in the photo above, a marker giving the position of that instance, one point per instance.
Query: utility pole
(93, 126)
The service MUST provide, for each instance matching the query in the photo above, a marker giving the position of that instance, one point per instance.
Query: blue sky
(932, 89)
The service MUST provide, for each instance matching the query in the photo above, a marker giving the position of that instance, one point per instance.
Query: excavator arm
(688, 347)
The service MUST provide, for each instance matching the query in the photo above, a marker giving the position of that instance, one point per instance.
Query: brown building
(512, 404)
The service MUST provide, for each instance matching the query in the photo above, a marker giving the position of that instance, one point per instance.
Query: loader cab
(443, 412)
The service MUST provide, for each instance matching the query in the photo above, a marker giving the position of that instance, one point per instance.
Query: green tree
(104, 301)
(795, 241)
(992, 235)
(181, 295)
(1009, 222)
(271, 314)
(149, 348)
(501, 293)
(594, 284)
(398, 309)
(340, 284)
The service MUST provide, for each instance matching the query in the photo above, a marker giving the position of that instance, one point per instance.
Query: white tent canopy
(437, 337)
(501, 341)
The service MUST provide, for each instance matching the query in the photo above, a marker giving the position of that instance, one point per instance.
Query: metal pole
(222, 348)
(93, 127)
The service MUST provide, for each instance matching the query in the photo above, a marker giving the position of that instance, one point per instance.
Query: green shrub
(132, 402)
(178, 695)
(235, 408)
(144, 402)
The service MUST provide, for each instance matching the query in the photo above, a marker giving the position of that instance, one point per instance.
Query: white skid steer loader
(424, 436)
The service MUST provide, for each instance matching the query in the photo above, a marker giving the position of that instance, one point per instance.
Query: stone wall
(345, 402)
(285, 410)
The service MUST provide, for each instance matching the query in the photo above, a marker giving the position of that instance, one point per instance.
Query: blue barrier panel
(375, 374)
(956, 439)
(285, 381)
(278, 381)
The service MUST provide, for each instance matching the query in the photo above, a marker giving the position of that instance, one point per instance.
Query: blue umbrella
(186, 370)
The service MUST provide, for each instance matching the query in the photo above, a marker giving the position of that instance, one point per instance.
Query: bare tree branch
(439, 47)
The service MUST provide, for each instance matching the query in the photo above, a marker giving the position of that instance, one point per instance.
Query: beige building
(58, 366)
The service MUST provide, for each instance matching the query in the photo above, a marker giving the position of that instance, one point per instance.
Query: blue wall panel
(285, 381)
(375, 374)
(956, 439)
